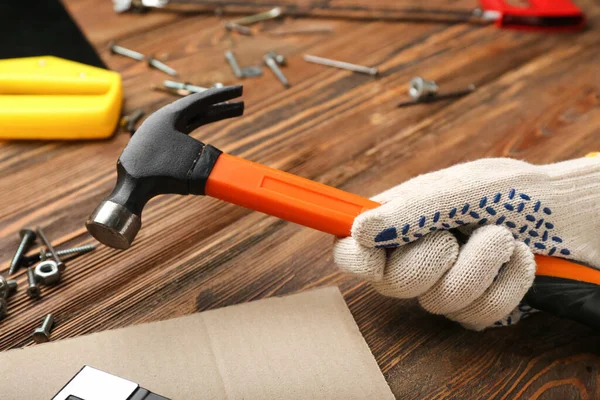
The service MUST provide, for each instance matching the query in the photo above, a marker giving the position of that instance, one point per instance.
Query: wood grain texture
(538, 100)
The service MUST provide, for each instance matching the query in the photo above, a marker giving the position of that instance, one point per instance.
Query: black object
(147, 167)
(99, 384)
(566, 298)
(43, 28)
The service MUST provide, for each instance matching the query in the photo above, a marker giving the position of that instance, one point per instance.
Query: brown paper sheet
(304, 346)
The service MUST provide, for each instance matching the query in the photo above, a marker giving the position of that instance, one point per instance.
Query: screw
(230, 57)
(153, 62)
(130, 120)
(42, 334)
(241, 29)
(421, 88)
(341, 64)
(59, 263)
(7, 287)
(3, 307)
(74, 251)
(116, 49)
(33, 290)
(27, 239)
(271, 61)
(252, 19)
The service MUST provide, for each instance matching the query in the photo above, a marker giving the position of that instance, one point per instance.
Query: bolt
(252, 19)
(130, 120)
(241, 29)
(27, 239)
(153, 62)
(279, 58)
(341, 64)
(115, 49)
(230, 57)
(33, 290)
(7, 287)
(421, 88)
(252, 71)
(42, 334)
(42, 235)
(271, 61)
(3, 307)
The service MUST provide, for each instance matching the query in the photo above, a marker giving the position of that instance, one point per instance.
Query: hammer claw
(183, 111)
(216, 112)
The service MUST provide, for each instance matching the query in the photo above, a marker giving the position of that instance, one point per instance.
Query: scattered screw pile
(48, 271)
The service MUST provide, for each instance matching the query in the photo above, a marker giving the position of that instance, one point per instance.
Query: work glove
(505, 209)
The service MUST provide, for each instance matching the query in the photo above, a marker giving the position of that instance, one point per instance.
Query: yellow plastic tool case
(49, 98)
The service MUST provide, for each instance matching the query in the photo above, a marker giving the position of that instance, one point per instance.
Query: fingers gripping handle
(284, 195)
(561, 287)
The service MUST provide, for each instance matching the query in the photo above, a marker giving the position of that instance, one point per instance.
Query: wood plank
(538, 100)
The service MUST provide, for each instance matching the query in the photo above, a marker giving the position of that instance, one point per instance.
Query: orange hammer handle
(284, 195)
(323, 207)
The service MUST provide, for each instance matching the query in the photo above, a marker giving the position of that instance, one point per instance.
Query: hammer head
(161, 158)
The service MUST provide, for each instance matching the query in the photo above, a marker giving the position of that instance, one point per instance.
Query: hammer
(161, 158)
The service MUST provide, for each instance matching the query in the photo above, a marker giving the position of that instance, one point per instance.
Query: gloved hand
(510, 209)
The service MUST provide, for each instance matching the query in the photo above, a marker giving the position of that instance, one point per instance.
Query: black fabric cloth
(43, 28)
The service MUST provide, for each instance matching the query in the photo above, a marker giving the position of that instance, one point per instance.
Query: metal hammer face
(162, 159)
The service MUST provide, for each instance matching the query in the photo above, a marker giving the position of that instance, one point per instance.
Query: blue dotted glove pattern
(499, 209)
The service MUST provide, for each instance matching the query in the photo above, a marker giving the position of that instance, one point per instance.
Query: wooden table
(538, 100)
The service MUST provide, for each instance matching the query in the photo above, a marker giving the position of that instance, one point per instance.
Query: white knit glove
(510, 209)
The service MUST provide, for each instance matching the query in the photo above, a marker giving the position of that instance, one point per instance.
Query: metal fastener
(7, 287)
(48, 272)
(161, 66)
(252, 19)
(183, 88)
(72, 252)
(3, 307)
(421, 88)
(273, 61)
(241, 29)
(251, 71)
(33, 290)
(42, 235)
(423, 91)
(230, 57)
(27, 239)
(341, 64)
(42, 334)
(115, 49)
(129, 121)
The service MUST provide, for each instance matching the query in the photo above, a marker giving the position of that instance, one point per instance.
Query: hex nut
(47, 272)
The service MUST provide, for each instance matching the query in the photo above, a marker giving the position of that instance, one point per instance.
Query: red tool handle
(562, 287)
(535, 15)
